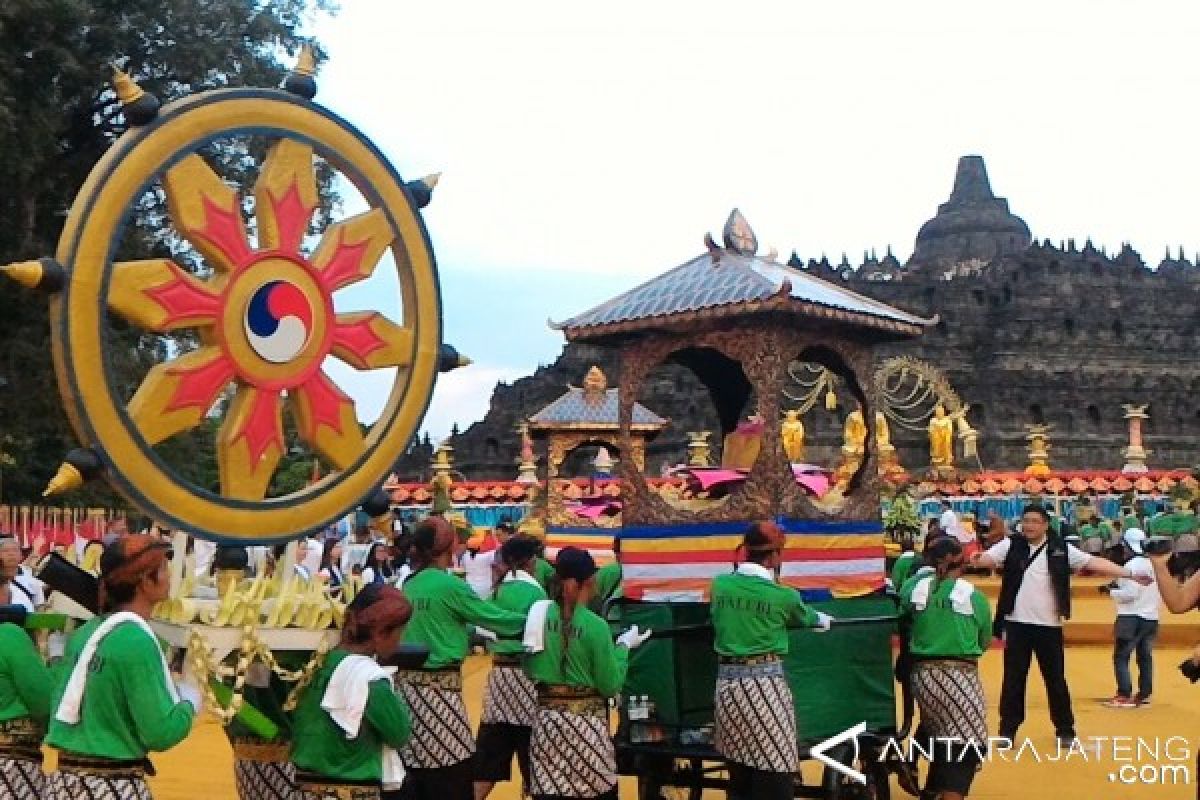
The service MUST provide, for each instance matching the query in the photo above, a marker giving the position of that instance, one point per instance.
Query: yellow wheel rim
(153, 295)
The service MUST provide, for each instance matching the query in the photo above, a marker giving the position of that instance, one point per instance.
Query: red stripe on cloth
(848, 584)
(721, 556)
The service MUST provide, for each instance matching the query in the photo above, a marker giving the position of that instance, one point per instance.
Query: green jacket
(590, 659)
(608, 585)
(320, 746)
(1174, 524)
(515, 595)
(127, 708)
(543, 572)
(443, 606)
(25, 683)
(1096, 530)
(751, 613)
(946, 627)
(903, 568)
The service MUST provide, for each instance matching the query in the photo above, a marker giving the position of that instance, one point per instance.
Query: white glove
(634, 638)
(823, 621)
(189, 692)
(188, 686)
(485, 633)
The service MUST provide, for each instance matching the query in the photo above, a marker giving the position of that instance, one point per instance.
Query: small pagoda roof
(593, 406)
(734, 281)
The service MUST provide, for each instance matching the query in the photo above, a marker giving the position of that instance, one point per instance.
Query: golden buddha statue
(941, 438)
(741, 447)
(792, 434)
(854, 434)
(889, 462)
(883, 434)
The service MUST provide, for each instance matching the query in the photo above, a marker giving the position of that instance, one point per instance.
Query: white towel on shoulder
(960, 595)
(522, 576)
(345, 699)
(535, 627)
(72, 699)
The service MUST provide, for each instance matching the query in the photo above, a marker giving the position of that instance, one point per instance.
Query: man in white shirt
(1136, 626)
(357, 544)
(14, 590)
(1035, 596)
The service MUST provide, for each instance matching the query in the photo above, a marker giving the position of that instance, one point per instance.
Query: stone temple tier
(1030, 331)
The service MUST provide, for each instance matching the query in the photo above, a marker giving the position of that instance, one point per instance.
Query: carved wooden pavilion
(736, 320)
(588, 415)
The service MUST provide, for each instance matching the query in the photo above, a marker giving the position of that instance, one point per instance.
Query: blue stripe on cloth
(597, 533)
(859, 526)
(795, 526)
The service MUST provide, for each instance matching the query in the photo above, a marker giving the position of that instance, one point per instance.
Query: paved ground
(201, 768)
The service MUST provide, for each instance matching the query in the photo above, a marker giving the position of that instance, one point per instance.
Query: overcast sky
(587, 147)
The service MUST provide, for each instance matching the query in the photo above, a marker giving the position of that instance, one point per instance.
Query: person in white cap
(1136, 626)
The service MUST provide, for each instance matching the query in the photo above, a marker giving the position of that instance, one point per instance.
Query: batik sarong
(950, 697)
(755, 721)
(571, 753)
(441, 731)
(21, 778)
(311, 787)
(261, 771)
(510, 697)
(21, 775)
(76, 785)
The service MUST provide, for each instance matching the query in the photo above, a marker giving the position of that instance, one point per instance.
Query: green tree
(58, 115)
(900, 520)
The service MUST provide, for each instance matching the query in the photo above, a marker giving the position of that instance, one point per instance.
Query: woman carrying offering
(349, 723)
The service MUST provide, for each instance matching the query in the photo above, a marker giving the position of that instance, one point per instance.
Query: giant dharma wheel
(261, 310)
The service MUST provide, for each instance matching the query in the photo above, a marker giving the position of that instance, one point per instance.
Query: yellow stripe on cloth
(727, 544)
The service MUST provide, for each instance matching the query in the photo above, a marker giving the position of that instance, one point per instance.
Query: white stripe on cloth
(865, 567)
(72, 699)
(345, 699)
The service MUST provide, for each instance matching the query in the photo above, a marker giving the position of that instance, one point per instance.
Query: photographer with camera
(1178, 596)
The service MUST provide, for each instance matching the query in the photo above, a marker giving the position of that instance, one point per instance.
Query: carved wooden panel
(764, 352)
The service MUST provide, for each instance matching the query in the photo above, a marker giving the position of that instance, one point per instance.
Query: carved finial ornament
(738, 235)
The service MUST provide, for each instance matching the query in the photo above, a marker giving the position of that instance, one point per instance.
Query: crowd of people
(359, 728)
(948, 625)
(367, 724)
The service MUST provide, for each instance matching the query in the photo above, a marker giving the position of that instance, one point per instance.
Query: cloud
(462, 397)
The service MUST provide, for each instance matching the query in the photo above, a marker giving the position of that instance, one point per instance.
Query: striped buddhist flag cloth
(677, 562)
(597, 541)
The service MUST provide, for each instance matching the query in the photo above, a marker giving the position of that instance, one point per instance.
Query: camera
(1158, 545)
(1190, 670)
